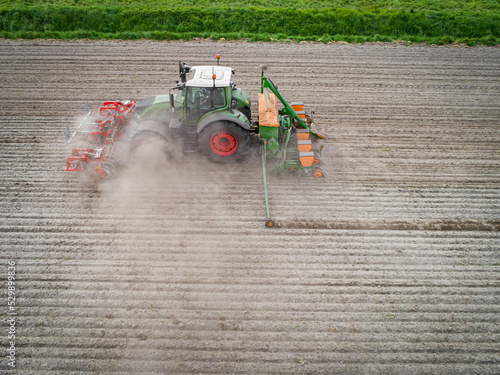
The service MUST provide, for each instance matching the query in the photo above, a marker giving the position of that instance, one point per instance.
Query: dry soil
(390, 265)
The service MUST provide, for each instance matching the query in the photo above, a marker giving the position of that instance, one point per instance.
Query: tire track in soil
(390, 265)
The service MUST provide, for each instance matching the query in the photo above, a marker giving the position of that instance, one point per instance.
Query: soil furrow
(388, 266)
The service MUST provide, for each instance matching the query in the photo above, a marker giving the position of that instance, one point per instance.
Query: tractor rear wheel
(224, 142)
(153, 135)
(150, 149)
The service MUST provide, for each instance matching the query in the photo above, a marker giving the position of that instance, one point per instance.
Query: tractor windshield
(201, 100)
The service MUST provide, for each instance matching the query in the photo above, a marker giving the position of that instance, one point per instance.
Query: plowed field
(390, 265)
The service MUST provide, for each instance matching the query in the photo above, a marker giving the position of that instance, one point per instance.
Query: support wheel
(270, 223)
(224, 142)
(318, 172)
(106, 170)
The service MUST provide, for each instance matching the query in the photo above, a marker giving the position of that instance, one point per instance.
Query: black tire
(152, 145)
(152, 133)
(224, 142)
(247, 112)
(142, 138)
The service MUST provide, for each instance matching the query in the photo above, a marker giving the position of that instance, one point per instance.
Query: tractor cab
(207, 90)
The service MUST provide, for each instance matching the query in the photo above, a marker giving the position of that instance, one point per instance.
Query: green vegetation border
(249, 23)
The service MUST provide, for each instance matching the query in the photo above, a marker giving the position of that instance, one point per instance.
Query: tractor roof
(201, 76)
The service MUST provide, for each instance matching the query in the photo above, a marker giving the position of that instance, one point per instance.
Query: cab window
(201, 100)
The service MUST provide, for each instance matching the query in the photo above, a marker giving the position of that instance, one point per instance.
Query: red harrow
(101, 134)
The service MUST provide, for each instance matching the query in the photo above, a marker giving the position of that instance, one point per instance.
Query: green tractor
(206, 112)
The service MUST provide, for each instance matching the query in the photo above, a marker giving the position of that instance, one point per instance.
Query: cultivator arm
(100, 137)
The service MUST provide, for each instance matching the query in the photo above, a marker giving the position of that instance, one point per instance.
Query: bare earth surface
(390, 265)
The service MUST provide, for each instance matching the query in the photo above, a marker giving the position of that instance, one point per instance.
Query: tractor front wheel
(224, 142)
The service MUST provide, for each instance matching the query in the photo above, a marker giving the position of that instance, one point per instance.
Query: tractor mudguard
(141, 105)
(155, 108)
(237, 117)
(242, 98)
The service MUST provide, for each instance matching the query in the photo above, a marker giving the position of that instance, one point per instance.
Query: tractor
(205, 112)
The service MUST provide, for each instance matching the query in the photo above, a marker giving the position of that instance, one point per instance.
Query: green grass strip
(298, 24)
(449, 6)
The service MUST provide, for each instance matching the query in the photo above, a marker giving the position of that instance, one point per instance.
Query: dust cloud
(158, 202)
(152, 182)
